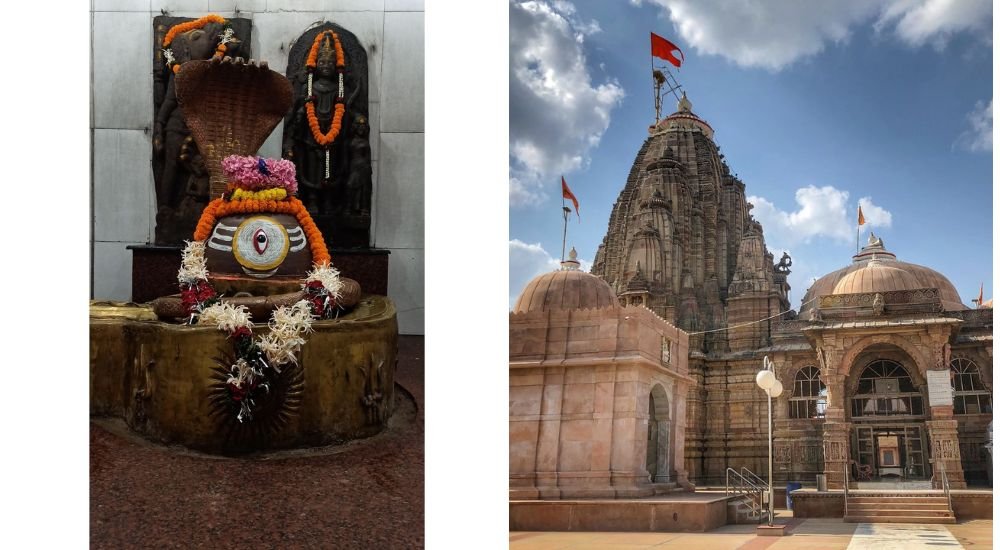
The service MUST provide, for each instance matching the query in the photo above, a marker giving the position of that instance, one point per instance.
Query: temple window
(808, 398)
(886, 389)
(971, 396)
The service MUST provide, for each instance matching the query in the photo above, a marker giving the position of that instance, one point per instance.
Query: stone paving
(813, 534)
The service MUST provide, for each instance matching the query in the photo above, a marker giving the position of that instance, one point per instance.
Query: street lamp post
(773, 388)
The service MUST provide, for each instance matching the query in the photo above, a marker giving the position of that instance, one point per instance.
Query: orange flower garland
(318, 135)
(219, 208)
(338, 112)
(182, 28)
(314, 51)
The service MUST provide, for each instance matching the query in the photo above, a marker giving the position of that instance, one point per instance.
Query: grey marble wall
(122, 111)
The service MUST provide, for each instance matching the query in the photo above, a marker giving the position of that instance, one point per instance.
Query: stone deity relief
(326, 134)
(179, 174)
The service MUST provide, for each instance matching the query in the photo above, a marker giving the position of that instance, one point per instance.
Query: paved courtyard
(814, 534)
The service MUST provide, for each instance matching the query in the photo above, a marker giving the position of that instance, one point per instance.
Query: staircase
(898, 507)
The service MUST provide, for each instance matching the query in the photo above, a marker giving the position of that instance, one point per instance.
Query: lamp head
(766, 379)
(776, 389)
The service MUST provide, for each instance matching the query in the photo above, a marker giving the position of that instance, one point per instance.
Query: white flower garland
(288, 324)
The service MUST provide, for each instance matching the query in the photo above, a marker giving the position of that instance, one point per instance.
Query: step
(898, 513)
(896, 500)
(898, 519)
(911, 509)
(883, 505)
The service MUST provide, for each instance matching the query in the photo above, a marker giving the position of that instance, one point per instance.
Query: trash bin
(788, 492)
(821, 483)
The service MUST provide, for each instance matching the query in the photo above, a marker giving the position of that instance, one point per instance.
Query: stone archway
(888, 409)
(659, 436)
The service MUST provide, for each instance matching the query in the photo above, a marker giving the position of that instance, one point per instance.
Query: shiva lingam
(319, 371)
(259, 238)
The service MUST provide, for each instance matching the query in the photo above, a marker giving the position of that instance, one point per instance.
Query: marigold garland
(314, 50)
(180, 28)
(336, 121)
(276, 194)
(335, 124)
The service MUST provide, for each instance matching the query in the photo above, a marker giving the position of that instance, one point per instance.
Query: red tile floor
(366, 494)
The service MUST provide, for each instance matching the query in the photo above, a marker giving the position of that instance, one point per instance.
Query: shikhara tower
(866, 360)
(682, 242)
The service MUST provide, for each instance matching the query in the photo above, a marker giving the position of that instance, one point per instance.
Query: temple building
(888, 375)
(597, 393)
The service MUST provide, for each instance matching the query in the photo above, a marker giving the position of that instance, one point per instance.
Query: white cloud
(528, 261)
(775, 33)
(823, 212)
(557, 113)
(918, 22)
(875, 216)
(979, 137)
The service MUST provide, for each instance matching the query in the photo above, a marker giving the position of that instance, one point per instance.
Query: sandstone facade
(681, 241)
(597, 394)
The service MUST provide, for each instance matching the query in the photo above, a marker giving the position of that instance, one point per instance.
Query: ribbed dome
(876, 277)
(884, 274)
(567, 289)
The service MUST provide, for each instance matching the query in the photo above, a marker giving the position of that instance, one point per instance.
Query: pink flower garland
(245, 172)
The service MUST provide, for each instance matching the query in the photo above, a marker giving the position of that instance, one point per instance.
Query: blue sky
(815, 106)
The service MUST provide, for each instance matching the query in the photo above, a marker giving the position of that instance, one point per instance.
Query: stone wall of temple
(122, 119)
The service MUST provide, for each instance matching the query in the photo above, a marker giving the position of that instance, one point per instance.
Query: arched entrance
(888, 410)
(658, 459)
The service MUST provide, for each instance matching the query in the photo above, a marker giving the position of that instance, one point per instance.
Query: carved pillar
(836, 452)
(679, 401)
(662, 451)
(942, 432)
(836, 433)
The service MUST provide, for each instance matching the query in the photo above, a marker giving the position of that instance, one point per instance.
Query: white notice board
(939, 387)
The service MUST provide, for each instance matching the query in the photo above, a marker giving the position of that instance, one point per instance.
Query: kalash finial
(572, 264)
(684, 104)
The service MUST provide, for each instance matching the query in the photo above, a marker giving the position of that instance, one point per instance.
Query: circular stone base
(167, 381)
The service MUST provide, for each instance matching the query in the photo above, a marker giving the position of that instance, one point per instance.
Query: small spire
(684, 105)
(572, 264)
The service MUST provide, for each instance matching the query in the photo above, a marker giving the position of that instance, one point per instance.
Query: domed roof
(565, 289)
(875, 269)
(876, 276)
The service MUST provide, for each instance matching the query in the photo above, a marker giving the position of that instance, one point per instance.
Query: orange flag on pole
(567, 194)
(861, 215)
(664, 49)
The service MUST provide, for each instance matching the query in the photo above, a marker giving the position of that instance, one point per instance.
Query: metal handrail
(747, 489)
(847, 484)
(947, 488)
(747, 473)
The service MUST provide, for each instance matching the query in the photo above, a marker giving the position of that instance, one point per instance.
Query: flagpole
(565, 213)
(656, 92)
(857, 242)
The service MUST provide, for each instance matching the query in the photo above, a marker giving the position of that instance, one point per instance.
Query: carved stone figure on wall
(327, 133)
(179, 175)
(878, 304)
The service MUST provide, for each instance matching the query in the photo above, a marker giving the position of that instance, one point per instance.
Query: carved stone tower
(681, 242)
